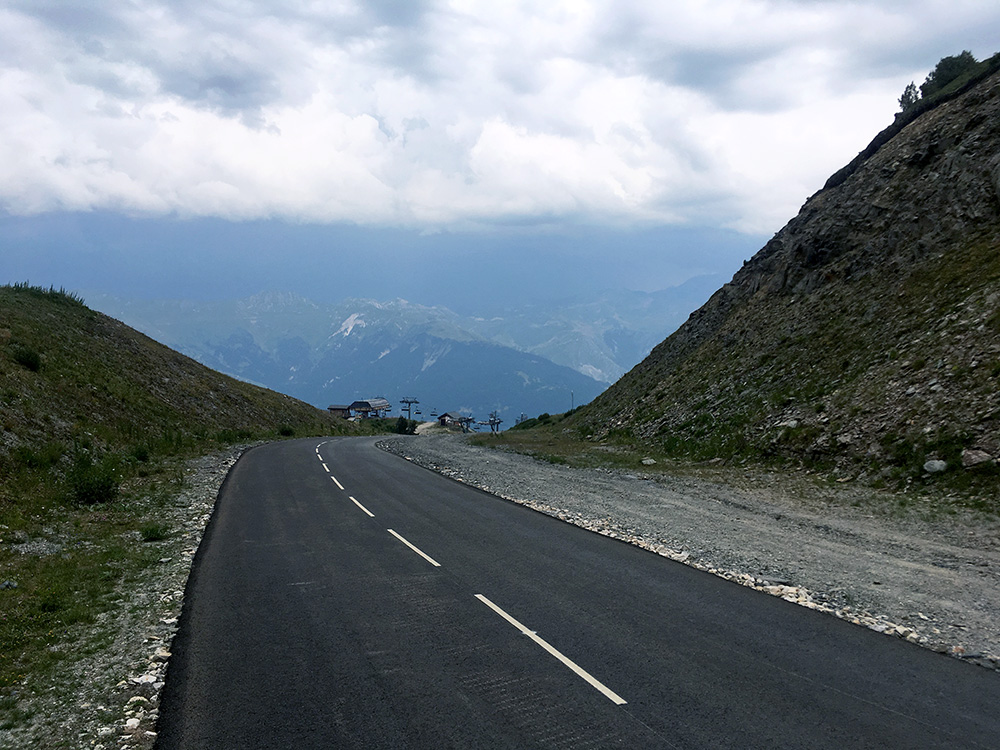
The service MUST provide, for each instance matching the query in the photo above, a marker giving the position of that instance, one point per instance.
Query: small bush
(43, 458)
(92, 483)
(50, 602)
(286, 431)
(406, 426)
(233, 436)
(27, 357)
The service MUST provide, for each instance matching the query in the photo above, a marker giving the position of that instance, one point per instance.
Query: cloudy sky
(222, 147)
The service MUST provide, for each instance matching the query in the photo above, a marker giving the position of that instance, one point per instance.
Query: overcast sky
(394, 121)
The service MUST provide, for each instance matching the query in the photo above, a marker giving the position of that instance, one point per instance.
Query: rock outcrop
(864, 336)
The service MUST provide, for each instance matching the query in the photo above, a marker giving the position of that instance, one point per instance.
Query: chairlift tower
(407, 402)
(495, 421)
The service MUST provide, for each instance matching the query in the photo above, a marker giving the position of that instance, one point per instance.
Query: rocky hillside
(864, 338)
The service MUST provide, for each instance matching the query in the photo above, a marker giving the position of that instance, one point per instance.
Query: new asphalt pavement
(344, 598)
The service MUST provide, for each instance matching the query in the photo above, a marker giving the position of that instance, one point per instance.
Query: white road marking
(370, 514)
(327, 468)
(580, 671)
(428, 558)
(336, 482)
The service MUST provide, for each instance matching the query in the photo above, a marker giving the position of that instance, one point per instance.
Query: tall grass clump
(93, 482)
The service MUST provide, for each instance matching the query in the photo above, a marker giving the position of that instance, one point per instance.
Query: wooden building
(371, 407)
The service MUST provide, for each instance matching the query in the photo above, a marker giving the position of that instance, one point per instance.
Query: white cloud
(442, 114)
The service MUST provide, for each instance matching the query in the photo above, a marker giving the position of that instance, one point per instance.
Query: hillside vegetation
(94, 420)
(862, 341)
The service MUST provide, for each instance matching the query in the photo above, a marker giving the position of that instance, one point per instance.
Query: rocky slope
(864, 337)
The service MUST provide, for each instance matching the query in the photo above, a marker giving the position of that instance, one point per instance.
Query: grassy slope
(101, 379)
(94, 418)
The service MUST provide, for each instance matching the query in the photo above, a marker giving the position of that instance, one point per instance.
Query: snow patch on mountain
(595, 372)
(350, 324)
(434, 356)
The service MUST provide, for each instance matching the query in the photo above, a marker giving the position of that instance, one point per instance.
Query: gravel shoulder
(931, 578)
(105, 694)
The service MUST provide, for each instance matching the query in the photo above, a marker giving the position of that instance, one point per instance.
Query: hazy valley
(532, 359)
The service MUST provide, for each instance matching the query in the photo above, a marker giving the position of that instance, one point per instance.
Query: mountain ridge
(544, 357)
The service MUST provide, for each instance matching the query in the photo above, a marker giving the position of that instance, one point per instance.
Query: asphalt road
(345, 598)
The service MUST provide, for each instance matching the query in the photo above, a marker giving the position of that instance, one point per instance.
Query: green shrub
(92, 483)
(44, 458)
(27, 357)
(50, 601)
(140, 453)
(406, 426)
(233, 436)
(947, 70)
(286, 431)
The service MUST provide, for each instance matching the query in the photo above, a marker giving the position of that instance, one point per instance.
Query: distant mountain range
(527, 360)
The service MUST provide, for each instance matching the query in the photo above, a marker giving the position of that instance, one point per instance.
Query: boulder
(935, 466)
(973, 458)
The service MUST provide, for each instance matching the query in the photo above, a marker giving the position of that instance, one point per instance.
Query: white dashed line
(336, 482)
(580, 671)
(326, 468)
(428, 558)
(370, 514)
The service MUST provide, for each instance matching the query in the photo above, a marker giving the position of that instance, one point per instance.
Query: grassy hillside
(94, 420)
(70, 374)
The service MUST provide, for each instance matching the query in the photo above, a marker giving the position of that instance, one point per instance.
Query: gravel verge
(929, 577)
(106, 693)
